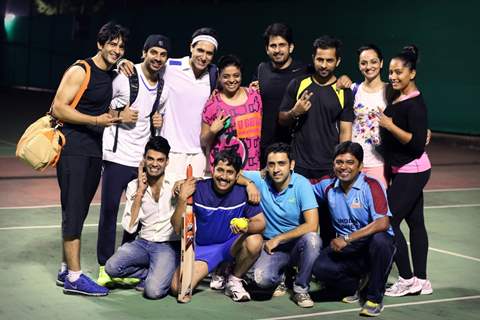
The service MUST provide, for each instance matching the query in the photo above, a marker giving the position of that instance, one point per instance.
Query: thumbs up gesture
(129, 115)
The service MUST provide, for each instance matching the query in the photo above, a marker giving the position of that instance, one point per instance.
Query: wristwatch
(346, 238)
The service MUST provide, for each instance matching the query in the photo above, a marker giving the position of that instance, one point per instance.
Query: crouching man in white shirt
(154, 255)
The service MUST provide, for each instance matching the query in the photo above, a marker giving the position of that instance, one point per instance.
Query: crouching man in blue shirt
(364, 243)
(290, 236)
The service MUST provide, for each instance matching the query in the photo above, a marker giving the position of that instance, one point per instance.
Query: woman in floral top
(369, 101)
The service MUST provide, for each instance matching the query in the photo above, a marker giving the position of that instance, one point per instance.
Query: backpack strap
(160, 84)
(133, 89)
(134, 83)
(213, 75)
(84, 64)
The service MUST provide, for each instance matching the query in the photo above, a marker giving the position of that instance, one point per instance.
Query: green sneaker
(371, 309)
(103, 278)
(126, 282)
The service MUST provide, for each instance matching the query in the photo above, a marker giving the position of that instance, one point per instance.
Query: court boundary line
(451, 190)
(471, 205)
(51, 226)
(396, 305)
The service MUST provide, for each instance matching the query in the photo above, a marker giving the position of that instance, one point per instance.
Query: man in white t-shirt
(188, 84)
(123, 144)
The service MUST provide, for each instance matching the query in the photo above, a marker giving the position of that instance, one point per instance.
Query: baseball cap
(157, 40)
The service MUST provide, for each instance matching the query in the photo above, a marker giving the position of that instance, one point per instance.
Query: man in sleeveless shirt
(80, 165)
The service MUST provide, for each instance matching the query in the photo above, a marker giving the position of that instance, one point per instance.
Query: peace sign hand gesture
(302, 105)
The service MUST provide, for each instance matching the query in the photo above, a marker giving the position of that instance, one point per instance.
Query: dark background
(46, 36)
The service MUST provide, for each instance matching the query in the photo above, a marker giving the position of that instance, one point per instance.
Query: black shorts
(78, 178)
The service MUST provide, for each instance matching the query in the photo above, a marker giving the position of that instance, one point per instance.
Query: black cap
(157, 40)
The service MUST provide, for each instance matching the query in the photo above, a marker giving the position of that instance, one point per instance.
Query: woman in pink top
(232, 117)
(404, 133)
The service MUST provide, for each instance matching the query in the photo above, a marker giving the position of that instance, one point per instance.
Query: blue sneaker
(371, 309)
(85, 286)
(61, 278)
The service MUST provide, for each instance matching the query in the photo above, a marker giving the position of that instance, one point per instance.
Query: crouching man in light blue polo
(291, 215)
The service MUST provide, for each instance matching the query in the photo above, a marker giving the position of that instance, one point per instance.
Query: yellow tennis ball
(241, 223)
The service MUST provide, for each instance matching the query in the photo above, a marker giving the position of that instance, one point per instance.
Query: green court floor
(30, 254)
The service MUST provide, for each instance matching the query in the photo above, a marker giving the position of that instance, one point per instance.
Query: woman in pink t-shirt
(232, 117)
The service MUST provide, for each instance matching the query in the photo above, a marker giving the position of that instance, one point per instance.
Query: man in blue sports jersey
(216, 202)
(364, 243)
(291, 237)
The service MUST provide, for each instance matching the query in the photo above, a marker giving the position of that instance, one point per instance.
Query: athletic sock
(63, 267)
(73, 275)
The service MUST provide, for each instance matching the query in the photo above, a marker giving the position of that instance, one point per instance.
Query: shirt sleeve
(130, 194)
(306, 196)
(252, 210)
(121, 92)
(320, 189)
(210, 111)
(417, 120)
(347, 114)
(255, 176)
(289, 98)
(377, 199)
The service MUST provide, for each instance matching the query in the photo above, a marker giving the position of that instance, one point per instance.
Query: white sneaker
(236, 291)
(404, 287)
(303, 300)
(426, 286)
(280, 290)
(217, 282)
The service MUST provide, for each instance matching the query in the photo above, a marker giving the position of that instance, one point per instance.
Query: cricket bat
(187, 250)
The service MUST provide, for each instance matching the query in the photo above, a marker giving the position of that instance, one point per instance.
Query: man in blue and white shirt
(364, 243)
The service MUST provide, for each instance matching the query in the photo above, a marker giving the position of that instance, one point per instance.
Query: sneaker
(371, 309)
(404, 287)
(85, 286)
(61, 278)
(140, 286)
(103, 278)
(280, 290)
(236, 291)
(303, 300)
(352, 299)
(426, 286)
(126, 282)
(217, 282)
(359, 295)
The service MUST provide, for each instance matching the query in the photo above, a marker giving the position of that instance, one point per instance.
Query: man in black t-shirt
(272, 78)
(80, 165)
(321, 116)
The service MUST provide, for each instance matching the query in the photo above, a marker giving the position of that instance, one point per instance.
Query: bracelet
(293, 114)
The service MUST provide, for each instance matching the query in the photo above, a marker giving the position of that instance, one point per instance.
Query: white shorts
(177, 165)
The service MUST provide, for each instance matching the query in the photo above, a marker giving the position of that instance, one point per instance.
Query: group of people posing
(323, 170)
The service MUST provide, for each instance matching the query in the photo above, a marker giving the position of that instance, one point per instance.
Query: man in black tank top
(79, 168)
